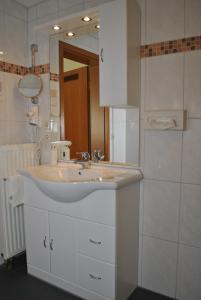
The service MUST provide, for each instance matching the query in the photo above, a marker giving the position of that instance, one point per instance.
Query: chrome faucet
(96, 156)
(84, 161)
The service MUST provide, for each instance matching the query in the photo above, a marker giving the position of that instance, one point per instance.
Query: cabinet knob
(94, 277)
(101, 55)
(45, 242)
(51, 245)
(94, 242)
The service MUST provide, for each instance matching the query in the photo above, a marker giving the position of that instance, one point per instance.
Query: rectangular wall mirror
(74, 96)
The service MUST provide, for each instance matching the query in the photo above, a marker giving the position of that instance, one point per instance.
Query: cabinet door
(62, 245)
(37, 238)
(112, 47)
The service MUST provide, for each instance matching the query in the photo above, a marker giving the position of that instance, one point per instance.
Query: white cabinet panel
(37, 238)
(96, 276)
(97, 241)
(119, 41)
(62, 246)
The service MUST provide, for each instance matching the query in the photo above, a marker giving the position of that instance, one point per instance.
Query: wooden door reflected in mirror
(83, 121)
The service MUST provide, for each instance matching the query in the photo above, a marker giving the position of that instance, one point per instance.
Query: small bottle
(53, 155)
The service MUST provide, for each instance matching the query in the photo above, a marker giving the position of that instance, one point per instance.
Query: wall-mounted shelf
(165, 120)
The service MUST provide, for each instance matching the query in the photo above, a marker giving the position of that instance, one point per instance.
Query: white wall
(170, 229)
(13, 41)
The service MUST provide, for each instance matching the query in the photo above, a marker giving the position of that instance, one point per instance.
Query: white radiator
(13, 158)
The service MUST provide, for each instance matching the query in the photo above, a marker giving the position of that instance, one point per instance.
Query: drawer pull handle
(94, 242)
(51, 245)
(94, 277)
(45, 242)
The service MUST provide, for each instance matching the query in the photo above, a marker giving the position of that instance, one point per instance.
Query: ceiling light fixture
(97, 26)
(86, 19)
(56, 27)
(1, 52)
(70, 34)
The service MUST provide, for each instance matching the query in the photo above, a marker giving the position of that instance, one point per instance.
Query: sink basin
(69, 183)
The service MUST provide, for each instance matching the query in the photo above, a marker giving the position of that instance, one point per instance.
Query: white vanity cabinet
(50, 242)
(119, 43)
(88, 247)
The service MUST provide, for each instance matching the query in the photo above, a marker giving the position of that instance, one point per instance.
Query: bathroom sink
(69, 182)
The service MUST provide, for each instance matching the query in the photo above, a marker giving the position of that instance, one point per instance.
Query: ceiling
(29, 3)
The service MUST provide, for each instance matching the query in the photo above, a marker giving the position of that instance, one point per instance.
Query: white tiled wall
(13, 41)
(170, 230)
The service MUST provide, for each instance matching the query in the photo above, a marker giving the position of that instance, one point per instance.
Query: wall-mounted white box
(165, 120)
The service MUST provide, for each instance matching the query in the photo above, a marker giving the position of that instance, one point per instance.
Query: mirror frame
(29, 97)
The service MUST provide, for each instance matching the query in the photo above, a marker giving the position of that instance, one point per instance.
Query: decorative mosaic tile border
(54, 77)
(169, 47)
(12, 68)
(156, 49)
(41, 69)
(21, 70)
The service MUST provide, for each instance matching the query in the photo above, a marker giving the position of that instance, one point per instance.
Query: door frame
(90, 59)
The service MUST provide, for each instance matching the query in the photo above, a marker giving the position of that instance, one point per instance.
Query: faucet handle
(96, 155)
(84, 155)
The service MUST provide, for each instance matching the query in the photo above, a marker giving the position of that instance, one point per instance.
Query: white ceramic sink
(69, 182)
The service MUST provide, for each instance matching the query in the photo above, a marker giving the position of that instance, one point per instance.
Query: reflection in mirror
(114, 131)
(82, 120)
(30, 85)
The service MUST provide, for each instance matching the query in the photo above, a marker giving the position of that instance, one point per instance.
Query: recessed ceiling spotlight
(86, 19)
(1, 52)
(56, 27)
(70, 34)
(97, 26)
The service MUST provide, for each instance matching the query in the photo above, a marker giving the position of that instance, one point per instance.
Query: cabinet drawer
(96, 276)
(99, 206)
(96, 241)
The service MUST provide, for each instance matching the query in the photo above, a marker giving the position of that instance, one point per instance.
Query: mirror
(122, 125)
(30, 86)
(74, 67)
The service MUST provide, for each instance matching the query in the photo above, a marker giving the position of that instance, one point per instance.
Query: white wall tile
(93, 3)
(2, 34)
(165, 20)
(192, 17)
(162, 155)
(45, 8)
(191, 215)
(164, 82)
(13, 8)
(159, 266)
(140, 261)
(16, 104)
(42, 39)
(44, 99)
(142, 4)
(143, 87)
(132, 136)
(192, 83)
(191, 162)
(119, 141)
(2, 5)
(189, 274)
(65, 5)
(142, 144)
(161, 209)
(32, 13)
(12, 132)
(15, 40)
